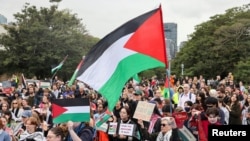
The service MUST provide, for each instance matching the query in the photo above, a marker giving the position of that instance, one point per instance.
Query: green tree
(217, 46)
(41, 38)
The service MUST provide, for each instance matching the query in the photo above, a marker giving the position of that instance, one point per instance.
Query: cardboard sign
(144, 110)
(112, 128)
(126, 129)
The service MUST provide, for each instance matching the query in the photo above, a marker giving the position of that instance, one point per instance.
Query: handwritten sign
(126, 129)
(144, 110)
(112, 128)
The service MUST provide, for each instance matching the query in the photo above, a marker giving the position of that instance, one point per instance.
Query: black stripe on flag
(125, 29)
(71, 102)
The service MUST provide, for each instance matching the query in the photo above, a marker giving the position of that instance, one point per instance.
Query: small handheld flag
(60, 65)
(76, 110)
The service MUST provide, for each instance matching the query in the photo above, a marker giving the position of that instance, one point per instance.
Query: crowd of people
(26, 113)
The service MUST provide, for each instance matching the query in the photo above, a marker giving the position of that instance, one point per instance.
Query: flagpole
(53, 76)
(76, 71)
(170, 99)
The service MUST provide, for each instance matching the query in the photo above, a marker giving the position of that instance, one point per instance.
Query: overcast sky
(103, 16)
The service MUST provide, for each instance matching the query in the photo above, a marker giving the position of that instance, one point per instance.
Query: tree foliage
(41, 38)
(218, 46)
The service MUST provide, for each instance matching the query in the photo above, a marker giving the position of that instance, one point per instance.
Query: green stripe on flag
(166, 93)
(112, 88)
(75, 117)
(102, 120)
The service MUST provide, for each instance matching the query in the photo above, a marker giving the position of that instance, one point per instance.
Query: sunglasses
(14, 103)
(163, 125)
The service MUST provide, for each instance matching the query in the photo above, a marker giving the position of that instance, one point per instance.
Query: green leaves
(41, 38)
(217, 46)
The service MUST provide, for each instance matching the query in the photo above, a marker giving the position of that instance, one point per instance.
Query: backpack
(190, 96)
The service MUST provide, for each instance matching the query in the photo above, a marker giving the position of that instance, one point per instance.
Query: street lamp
(182, 68)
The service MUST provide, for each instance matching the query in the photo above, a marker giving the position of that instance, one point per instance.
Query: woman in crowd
(5, 107)
(4, 136)
(125, 115)
(200, 98)
(169, 131)
(234, 108)
(55, 134)
(31, 133)
(8, 129)
(10, 121)
(16, 110)
(245, 109)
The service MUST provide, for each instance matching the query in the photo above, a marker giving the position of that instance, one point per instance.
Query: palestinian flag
(135, 46)
(75, 73)
(168, 91)
(60, 65)
(76, 110)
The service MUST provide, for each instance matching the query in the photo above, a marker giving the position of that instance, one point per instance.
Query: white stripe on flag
(109, 59)
(77, 109)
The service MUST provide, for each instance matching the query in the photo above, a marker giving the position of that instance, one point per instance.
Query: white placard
(126, 129)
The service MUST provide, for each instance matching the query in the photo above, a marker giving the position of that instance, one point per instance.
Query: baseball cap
(26, 113)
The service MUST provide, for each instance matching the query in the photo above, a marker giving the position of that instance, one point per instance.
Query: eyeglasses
(14, 103)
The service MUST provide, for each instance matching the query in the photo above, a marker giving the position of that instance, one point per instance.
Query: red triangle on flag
(57, 110)
(149, 38)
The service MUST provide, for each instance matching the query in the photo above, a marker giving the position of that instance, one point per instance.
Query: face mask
(187, 109)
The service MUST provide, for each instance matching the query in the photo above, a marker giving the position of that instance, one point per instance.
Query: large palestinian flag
(76, 110)
(135, 46)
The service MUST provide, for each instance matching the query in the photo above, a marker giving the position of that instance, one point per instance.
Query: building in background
(170, 31)
(3, 20)
(181, 45)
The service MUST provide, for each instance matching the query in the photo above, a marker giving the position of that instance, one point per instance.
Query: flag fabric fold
(60, 65)
(75, 73)
(76, 110)
(137, 45)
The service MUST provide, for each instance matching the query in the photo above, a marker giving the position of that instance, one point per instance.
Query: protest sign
(144, 110)
(112, 128)
(126, 129)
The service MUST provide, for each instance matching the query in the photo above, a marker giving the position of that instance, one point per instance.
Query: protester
(80, 131)
(169, 131)
(234, 109)
(125, 115)
(4, 136)
(55, 134)
(31, 133)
